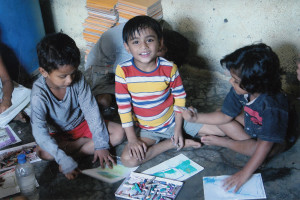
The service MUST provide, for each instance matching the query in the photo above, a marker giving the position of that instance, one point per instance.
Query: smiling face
(144, 46)
(59, 78)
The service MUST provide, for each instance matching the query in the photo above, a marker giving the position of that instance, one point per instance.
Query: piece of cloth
(77, 105)
(109, 49)
(266, 117)
(150, 96)
(101, 80)
(82, 130)
(20, 99)
(103, 59)
(190, 128)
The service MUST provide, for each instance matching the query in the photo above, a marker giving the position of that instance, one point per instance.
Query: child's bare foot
(22, 117)
(191, 143)
(214, 140)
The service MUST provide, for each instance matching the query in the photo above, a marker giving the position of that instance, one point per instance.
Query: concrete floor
(281, 175)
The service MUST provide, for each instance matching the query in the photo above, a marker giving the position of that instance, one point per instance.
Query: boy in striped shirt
(148, 88)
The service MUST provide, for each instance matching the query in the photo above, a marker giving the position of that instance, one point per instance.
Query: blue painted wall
(21, 28)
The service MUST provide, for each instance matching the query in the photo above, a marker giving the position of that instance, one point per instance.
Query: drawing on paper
(177, 168)
(252, 189)
(118, 172)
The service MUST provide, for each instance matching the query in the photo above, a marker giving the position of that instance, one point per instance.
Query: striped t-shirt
(149, 96)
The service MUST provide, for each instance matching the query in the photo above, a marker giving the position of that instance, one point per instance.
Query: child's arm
(232, 106)
(137, 148)
(238, 179)
(7, 87)
(215, 118)
(179, 95)
(91, 112)
(178, 138)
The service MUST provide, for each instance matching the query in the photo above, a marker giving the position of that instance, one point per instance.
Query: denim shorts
(190, 128)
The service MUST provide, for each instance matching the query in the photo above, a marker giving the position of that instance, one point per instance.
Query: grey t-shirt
(77, 105)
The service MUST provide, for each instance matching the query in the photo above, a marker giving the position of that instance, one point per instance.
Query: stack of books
(102, 15)
(127, 9)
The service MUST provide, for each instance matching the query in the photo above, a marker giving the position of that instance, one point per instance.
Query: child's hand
(73, 174)
(104, 158)
(178, 140)
(236, 180)
(137, 149)
(189, 114)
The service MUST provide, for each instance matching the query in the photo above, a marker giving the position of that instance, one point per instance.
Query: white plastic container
(26, 178)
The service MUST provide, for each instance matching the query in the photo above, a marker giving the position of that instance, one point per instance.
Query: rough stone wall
(205, 89)
(217, 27)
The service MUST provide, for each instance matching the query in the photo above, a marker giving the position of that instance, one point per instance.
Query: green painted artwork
(117, 173)
(178, 168)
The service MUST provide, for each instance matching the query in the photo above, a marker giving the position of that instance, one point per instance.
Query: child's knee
(87, 147)
(43, 154)
(129, 161)
(104, 99)
(117, 135)
(120, 136)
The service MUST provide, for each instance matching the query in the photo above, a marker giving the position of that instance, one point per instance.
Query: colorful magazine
(8, 157)
(8, 137)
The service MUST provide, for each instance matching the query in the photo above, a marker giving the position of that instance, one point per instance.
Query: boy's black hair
(138, 23)
(257, 66)
(56, 50)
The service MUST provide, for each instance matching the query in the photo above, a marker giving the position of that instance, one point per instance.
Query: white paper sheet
(252, 189)
(20, 99)
(177, 168)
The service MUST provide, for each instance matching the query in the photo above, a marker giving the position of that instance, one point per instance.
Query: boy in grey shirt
(62, 100)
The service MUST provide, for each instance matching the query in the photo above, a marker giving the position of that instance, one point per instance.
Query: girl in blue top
(254, 117)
